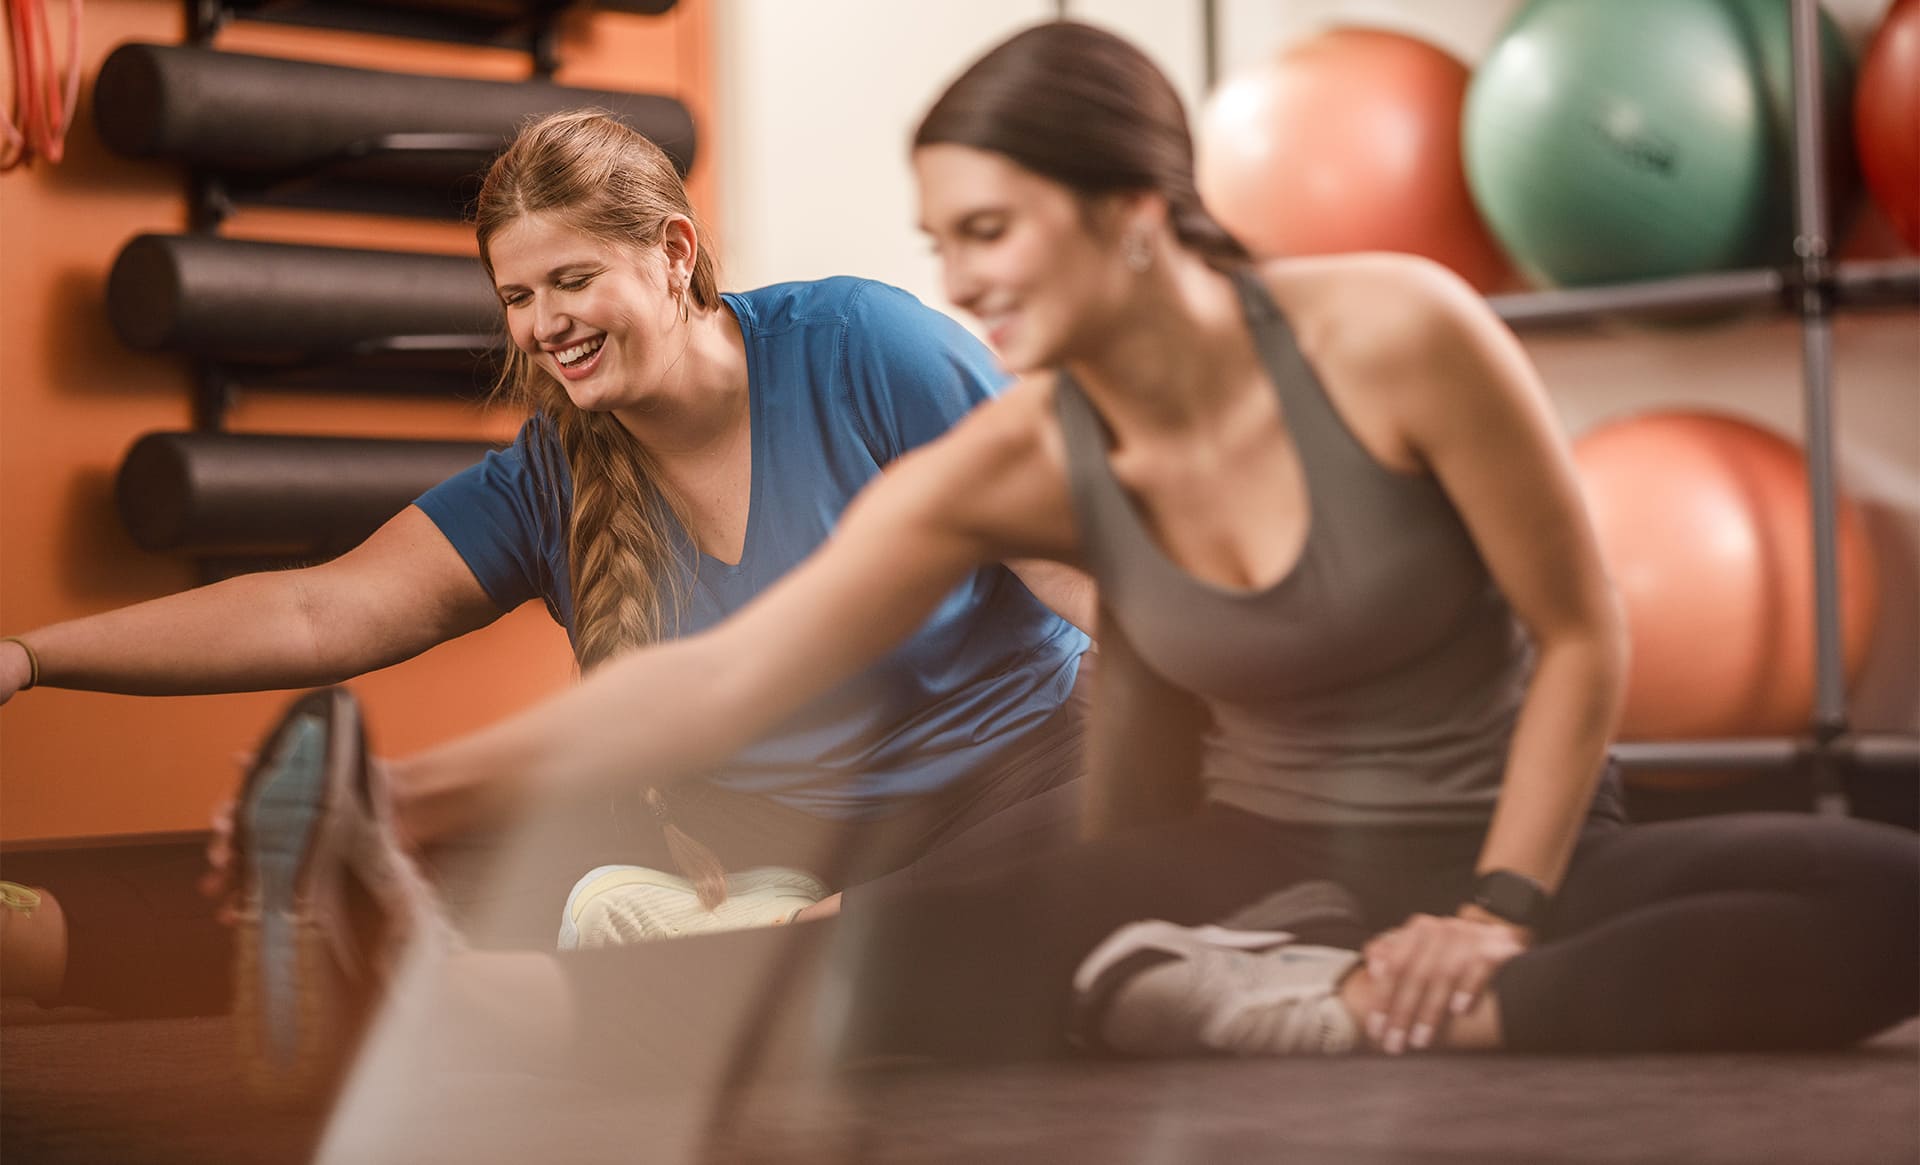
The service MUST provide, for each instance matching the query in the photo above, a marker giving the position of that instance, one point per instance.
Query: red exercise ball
(1349, 141)
(1886, 118)
(1704, 523)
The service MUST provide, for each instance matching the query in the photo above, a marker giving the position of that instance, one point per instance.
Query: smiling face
(598, 318)
(1022, 253)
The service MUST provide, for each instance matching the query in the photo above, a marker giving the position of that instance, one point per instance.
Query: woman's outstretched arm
(400, 592)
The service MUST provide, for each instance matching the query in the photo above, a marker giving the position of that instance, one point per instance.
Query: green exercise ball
(1615, 140)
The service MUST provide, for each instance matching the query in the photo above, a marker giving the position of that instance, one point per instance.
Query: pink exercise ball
(1346, 142)
(1704, 523)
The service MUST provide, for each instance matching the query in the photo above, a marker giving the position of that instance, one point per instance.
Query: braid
(628, 585)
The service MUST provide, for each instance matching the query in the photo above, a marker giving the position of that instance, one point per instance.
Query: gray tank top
(1377, 682)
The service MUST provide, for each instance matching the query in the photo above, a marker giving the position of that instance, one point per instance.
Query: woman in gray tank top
(1359, 665)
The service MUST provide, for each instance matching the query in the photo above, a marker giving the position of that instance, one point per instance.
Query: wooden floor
(165, 1092)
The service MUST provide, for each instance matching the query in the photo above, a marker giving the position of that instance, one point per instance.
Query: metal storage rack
(1831, 756)
(208, 494)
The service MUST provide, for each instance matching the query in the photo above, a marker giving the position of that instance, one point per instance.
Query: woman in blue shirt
(685, 448)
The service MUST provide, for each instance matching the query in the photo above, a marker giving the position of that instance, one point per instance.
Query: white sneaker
(1157, 989)
(617, 905)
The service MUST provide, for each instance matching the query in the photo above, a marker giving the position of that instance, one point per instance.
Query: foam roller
(255, 494)
(473, 9)
(241, 300)
(237, 114)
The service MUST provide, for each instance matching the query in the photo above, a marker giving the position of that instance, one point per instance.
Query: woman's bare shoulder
(1381, 316)
(1374, 293)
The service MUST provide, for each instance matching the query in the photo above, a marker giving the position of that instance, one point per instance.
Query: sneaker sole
(289, 1007)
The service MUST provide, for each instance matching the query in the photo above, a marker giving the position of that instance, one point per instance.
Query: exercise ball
(1703, 520)
(1641, 139)
(1349, 141)
(1886, 119)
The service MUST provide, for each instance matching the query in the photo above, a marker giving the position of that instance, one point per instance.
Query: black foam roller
(242, 300)
(248, 493)
(233, 113)
(476, 9)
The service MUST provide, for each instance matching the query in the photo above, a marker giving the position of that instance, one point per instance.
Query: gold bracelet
(22, 900)
(33, 661)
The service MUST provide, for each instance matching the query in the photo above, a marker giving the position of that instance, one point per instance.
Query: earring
(1137, 251)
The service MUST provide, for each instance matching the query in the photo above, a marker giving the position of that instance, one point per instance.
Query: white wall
(818, 99)
(1172, 31)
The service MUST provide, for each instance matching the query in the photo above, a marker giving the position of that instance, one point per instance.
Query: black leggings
(1756, 931)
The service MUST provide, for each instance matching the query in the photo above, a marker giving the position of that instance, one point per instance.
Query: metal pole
(1810, 245)
(1885, 754)
(1760, 288)
(1707, 756)
(1210, 43)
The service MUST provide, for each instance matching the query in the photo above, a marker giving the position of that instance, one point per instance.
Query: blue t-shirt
(843, 376)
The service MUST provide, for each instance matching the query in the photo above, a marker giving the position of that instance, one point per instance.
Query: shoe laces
(1279, 1001)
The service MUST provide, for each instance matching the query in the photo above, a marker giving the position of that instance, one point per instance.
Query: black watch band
(1511, 897)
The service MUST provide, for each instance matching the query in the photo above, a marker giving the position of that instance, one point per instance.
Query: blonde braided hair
(603, 179)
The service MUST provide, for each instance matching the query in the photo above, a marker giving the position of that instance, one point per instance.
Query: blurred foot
(327, 899)
(617, 905)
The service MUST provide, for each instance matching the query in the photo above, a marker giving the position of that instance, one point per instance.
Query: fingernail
(1461, 1003)
(1422, 1034)
(1376, 1026)
(1396, 1042)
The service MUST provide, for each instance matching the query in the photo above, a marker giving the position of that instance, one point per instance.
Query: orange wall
(73, 399)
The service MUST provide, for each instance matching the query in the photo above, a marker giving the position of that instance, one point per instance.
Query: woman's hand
(1428, 969)
(218, 881)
